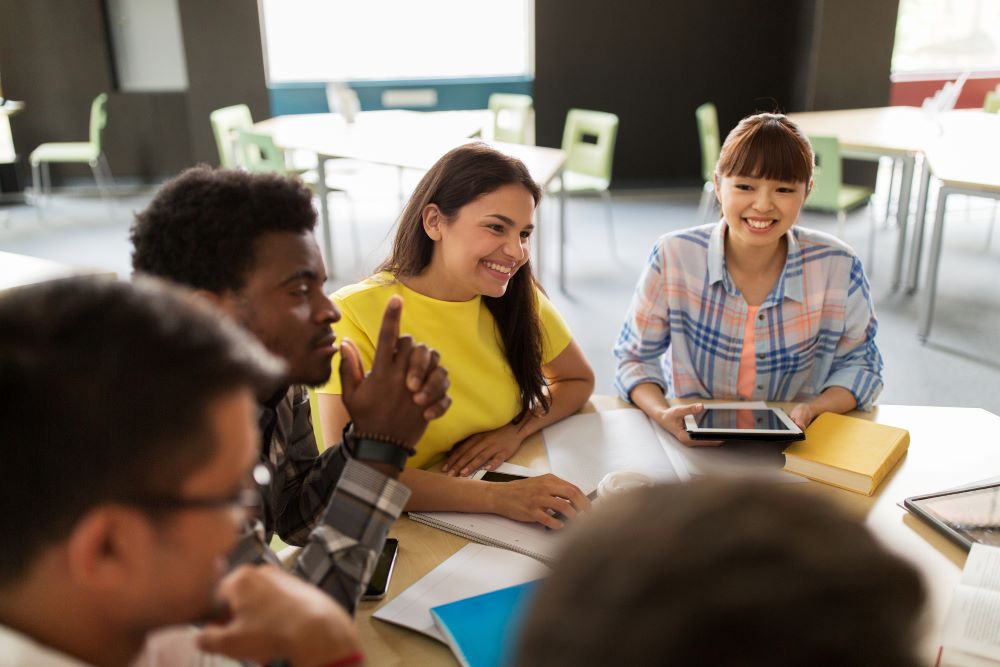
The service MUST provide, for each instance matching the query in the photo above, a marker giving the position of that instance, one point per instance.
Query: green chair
(226, 122)
(710, 141)
(257, 152)
(992, 102)
(829, 193)
(512, 117)
(88, 152)
(589, 143)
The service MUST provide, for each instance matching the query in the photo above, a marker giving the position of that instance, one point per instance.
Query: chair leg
(993, 219)
(888, 194)
(841, 222)
(606, 196)
(102, 174)
(872, 230)
(36, 187)
(705, 205)
(47, 183)
(355, 231)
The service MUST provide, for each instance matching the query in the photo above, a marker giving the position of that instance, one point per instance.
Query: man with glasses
(130, 454)
(245, 242)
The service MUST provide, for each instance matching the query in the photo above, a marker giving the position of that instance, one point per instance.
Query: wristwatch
(376, 448)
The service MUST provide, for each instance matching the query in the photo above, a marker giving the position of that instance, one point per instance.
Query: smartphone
(379, 583)
(488, 476)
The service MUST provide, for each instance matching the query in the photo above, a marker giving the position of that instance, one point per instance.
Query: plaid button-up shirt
(816, 329)
(338, 509)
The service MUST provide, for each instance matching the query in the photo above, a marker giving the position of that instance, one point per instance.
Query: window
(341, 40)
(947, 36)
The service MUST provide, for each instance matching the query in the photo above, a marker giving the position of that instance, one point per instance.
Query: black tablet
(720, 423)
(965, 515)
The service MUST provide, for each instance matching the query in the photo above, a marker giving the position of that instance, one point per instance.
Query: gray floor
(959, 366)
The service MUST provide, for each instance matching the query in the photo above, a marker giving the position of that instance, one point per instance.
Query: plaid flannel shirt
(338, 509)
(816, 329)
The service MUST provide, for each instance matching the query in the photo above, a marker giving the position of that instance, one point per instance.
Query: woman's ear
(715, 182)
(809, 186)
(432, 219)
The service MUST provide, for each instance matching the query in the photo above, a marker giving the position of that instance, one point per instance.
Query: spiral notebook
(530, 539)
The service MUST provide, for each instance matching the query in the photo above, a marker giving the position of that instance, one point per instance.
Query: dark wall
(55, 56)
(225, 64)
(654, 63)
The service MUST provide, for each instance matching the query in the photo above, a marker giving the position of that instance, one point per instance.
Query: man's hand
(803, 414)
(672, 421)
(488, 450)
(405, 388)
(537, 499)
(275, 616)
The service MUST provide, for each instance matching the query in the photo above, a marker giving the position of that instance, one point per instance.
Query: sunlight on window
(947, 36)
(336, 40)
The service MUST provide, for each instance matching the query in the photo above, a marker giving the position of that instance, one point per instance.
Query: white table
(403, 139)
(866, 134)
(20, 270)
(949, 447)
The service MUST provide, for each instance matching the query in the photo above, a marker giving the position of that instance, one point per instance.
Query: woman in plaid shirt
(752, 307)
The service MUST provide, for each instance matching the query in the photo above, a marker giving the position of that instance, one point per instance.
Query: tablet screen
(974, 513)
(736, 419)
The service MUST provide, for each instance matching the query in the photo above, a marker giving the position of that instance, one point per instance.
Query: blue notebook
(482, 630)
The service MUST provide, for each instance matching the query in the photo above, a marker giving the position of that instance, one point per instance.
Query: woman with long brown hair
(460, 262)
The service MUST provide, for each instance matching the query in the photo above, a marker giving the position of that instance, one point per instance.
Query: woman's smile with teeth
(502, 268)
(758, 223)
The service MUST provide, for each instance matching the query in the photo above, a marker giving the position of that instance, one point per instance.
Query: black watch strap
(374, 451)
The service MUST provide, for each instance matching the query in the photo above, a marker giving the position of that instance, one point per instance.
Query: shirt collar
(790, 283)
(19, 649)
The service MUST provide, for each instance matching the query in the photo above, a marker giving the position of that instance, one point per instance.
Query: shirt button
(761, 317)
(760, 356)
(760, 386)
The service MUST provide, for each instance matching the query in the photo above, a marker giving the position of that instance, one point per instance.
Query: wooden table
(403, 139)
(948, 447)
(20, 270)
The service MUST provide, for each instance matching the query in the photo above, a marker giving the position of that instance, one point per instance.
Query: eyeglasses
(245, 503)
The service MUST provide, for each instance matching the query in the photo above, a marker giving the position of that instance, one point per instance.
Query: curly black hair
(201, 227)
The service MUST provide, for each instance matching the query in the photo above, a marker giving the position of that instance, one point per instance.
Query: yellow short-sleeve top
(484, 393)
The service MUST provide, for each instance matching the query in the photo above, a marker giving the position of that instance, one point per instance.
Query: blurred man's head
(129, 430)
(245, 240)
(722, 573)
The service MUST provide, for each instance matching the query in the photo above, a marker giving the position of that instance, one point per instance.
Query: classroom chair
(831, 194)
(710, 141)
(257, 152)
(226, 122)
(513, 118)
(88, 152)
(589, 142)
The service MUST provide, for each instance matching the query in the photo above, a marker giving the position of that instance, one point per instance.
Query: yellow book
(848, 452)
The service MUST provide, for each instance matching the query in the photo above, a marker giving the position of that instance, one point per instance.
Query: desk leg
(930, 289)
(902, 217)
(919, 222)
(324, 215)
(562, 239)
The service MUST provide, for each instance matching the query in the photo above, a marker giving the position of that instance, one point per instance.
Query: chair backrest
(589, 141)
(342, 99)
(98, 119)
(709, 139)
(992, 102)
(511, 117)
(827, 175)
(226, 123)
(258, 152)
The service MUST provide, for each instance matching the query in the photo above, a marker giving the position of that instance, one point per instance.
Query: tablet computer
(965, 515)
(742, 424)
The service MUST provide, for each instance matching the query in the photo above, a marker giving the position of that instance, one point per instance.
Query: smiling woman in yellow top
(460, 262)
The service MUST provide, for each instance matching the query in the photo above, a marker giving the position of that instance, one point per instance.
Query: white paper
(583, 449)
(474, 570)
(973, 621)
